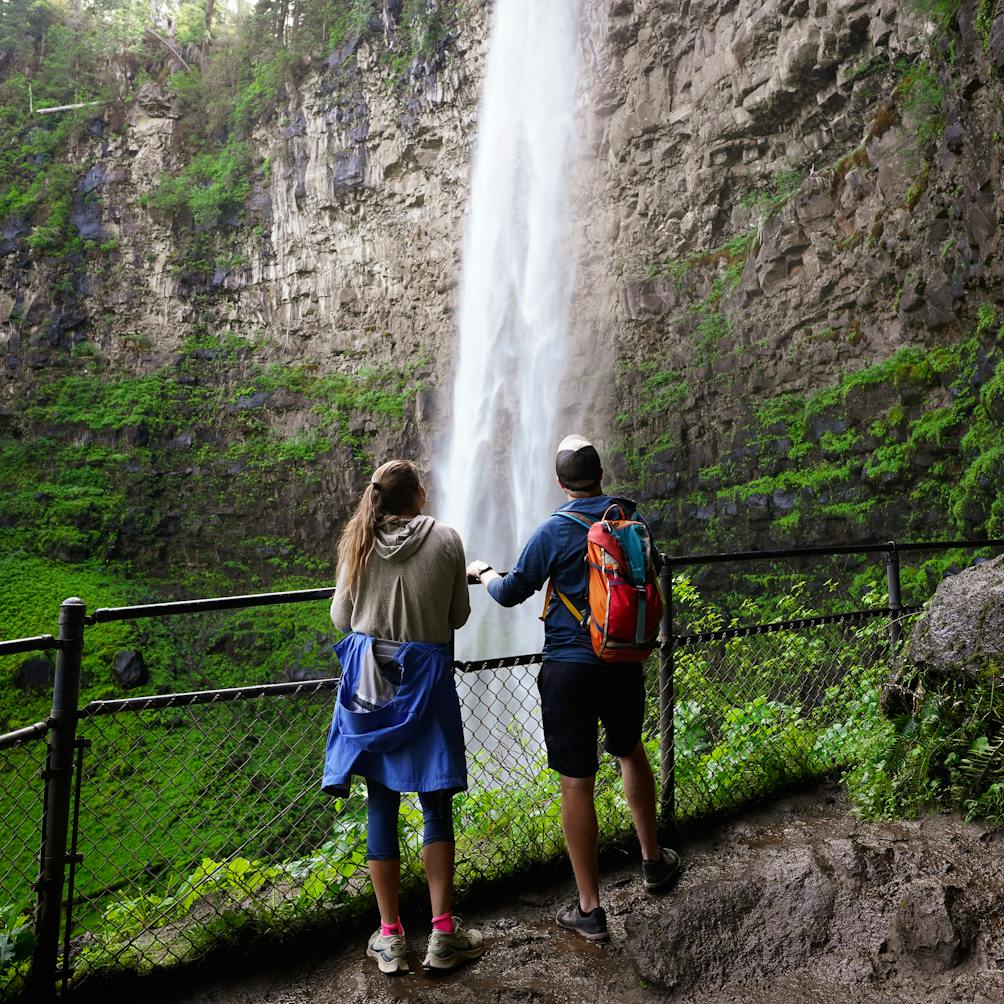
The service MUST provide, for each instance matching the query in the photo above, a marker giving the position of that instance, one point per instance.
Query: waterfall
(496, 481)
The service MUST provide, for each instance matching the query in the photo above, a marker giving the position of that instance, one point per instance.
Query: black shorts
(575, 697)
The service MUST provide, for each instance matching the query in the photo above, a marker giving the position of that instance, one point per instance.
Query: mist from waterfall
(496, 481)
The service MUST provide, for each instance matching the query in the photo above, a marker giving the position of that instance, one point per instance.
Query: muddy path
(796, 903)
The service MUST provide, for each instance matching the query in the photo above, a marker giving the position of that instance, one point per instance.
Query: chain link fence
(22, 804)
(200, 828)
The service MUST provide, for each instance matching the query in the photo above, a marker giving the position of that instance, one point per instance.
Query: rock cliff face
(774, 195)
(352, 245)
(814, 189)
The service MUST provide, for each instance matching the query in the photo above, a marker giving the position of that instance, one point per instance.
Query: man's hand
(478, 570)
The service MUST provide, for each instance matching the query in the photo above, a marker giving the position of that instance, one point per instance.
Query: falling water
(497, 481)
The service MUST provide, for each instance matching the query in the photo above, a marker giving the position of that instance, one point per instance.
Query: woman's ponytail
(392, 489)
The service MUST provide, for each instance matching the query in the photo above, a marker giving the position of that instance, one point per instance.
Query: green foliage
(766, 199)
(260, 92)
(922, 97)
(17, 942)
(911, 443)
(946, 754)
(657, 392)
(350, 21)
(986, 13)
(942, 12)
(101, 404)
(210, 189)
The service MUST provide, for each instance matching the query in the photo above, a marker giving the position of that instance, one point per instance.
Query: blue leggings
(383, 806)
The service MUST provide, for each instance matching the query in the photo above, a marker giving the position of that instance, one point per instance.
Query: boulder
(129, 669)
(962, 630)
(36, 673)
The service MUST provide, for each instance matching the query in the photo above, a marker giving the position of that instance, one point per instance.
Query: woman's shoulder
(447, 535)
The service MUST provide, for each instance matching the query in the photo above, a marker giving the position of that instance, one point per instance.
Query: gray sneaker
(592, 926)
(660, 874)
(389, 952)
(448, 950)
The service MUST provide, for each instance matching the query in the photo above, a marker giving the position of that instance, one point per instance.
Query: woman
(401, 592)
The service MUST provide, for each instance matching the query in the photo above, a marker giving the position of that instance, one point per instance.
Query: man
(578, 690)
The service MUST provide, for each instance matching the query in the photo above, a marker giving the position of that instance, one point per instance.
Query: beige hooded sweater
(413, 588)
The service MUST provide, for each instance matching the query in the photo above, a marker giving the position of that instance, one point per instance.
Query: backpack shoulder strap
(577, 517)
(579, 615)
(587, 522)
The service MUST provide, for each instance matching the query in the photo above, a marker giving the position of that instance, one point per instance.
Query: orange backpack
(624, 598)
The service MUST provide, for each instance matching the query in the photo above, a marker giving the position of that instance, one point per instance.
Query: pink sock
(387, 930)
(444, 923)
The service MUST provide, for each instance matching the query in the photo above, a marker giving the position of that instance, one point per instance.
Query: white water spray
(497, 481)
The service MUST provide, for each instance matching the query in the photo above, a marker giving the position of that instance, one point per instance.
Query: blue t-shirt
(558, 548)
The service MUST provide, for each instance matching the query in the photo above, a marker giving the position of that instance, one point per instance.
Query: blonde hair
(392, 489)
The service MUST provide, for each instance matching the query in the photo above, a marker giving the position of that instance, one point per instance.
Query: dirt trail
(796, 903)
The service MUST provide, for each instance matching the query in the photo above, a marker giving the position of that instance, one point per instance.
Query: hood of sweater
(398, 539)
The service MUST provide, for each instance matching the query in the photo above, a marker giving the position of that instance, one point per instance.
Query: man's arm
(530, 572)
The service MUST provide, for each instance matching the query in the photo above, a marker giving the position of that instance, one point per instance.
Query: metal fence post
(895, 600)
(667, 739)
(58, 777)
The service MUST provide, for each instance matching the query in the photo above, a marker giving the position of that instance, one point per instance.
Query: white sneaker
(447, 950)
(389, 952)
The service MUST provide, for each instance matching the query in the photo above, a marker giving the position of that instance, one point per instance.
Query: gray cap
(578, 464)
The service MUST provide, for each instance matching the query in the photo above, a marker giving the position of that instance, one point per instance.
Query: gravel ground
(796, 903)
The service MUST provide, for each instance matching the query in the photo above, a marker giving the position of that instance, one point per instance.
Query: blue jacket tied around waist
(408, 735)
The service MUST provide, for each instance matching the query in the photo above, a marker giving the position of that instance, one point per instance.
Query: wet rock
(821, 425)
(783, 501)
(940, 300)
(962, 630)
(647, 299)
(157, 101)
(995, 47)
(86, 217)
(11, 232)
(249, 403)
(748, 927)
(924, 931)
(36, 673)
(954, 133)
(349, 169)
(129, 669)
(93, 179)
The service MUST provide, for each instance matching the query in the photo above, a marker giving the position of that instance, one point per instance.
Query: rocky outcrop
(961, 633)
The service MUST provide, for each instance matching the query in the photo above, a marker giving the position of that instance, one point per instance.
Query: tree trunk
(280, 20)
(208, 31)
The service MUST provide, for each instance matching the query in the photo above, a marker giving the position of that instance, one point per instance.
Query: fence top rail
(104, 614)
(798, 624)
(25, 734)
(152, 702)
(503, 662)
(302, 688)
(39, 643)
(888, 547)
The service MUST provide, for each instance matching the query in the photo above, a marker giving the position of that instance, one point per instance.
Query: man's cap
(578, 464)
